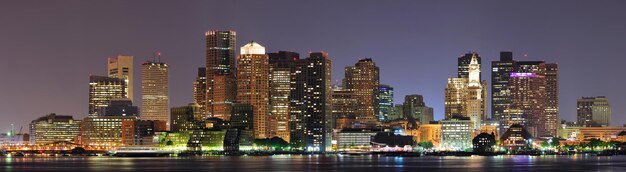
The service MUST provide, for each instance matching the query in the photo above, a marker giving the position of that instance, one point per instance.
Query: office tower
(199, 92)
(186, 118)
(593, 111)
(102, 89)
(54, 128)
(220, 73)
(397, 113)
(414, 106)
(155, 92)
(119, 107)
(122, 67)
(454, 99)
(363, 79)
(528, 102)
(253, 85)
(385, 103)
(281, 65)
(500, 91)
(464, 64)
(311, 116)
(344, 107)
(552, 99)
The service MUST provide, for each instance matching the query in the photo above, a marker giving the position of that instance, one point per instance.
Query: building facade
(253, 85)
(593, 111)
(102, 89)
(186, 118)
(199, 91)
(281, 71)
(415, 107)
(155, 92)
(220, 73)
(456, 133)
(122, 67)
(54, 128)
(363, 78)
(385, 102)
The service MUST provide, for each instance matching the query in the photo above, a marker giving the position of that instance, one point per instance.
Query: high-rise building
(464, 64)
(344, 108)
(311, 102)
(281, 66)
(593, 111)
(186, 118)
(552, 99)
(454, 99)
(253, 71)
(54, 128)
(242, 117)
(500, 91)
(199, 91)
(528, 102)
(220, 73)
(122, 67)
(102, 89)
(475, 108)
(415, 107)
(385, 102)
(155, 92)
(363, 78)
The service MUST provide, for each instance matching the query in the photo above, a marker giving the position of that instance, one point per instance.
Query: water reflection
(317, 163)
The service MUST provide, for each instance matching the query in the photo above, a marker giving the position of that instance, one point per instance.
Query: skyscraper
(344, 107)
(385, 103)
(220, 73)
(253, 85)
(155, 92)
(464, 64)
(474, 100)
(311, 102)
(102, 89)
(500, 91)
(122, 67)
(528, 101)
(281, 67)
(552, 99)
(199, 92)
(593, 111)
(363, 79)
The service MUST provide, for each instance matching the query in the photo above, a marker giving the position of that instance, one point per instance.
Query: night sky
(48, 49)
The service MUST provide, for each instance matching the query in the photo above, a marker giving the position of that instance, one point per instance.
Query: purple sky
(48, 49)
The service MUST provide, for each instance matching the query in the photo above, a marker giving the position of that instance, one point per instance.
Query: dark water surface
(317, 163)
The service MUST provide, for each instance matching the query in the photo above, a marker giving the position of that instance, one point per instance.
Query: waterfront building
(103, 132)
(139, 132)
(430, 132)
(122, 67)
(515, 138)
(253, 85)
(102, 89)
(484, 142)
(354, 139)
(207, 140)
(385, 102)
(186, 118)
(390, 139)
(568, 131)
(601, 133)
(155, 91)
(199, 92)
(363, 78)
(456, 133)
(490, 126)
(54, 128)
(220, 73)
(593, 111)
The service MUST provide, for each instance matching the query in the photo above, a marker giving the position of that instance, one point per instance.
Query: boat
(140, 152)
(18, 154)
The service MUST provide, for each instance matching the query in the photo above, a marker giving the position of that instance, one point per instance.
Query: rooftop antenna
(157, 57)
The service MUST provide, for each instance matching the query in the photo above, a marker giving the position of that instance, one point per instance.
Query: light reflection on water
(317, 163)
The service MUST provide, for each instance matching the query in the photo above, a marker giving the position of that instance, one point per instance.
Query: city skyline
(67, 94)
